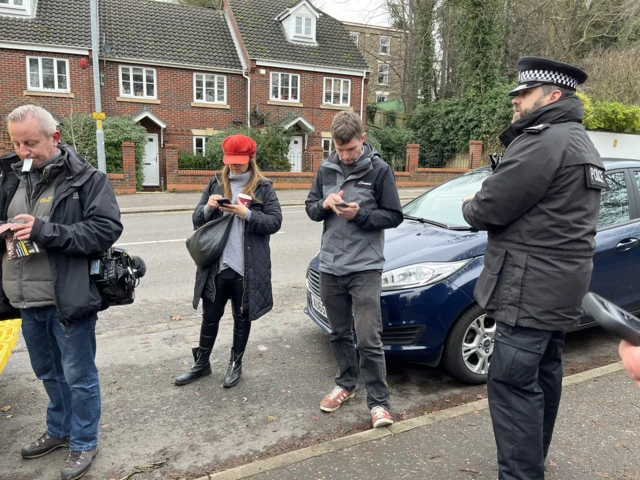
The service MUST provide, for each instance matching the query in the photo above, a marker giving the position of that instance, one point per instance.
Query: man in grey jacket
(540, 208)
(68, 209)
(355, 195)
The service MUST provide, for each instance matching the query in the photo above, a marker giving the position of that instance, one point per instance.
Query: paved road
(202, 427)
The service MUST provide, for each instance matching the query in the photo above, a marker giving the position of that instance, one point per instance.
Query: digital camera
(116, 274)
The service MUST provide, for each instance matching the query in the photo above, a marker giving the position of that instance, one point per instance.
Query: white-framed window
(385, 46)
(303, 27)
(383, 74)
(285, 87)
(138, 82)
(381, 98)
(337, 91)
(327, 147)
(355, 37)
(209, 88)
(199, 144)
(13, 3)
(48, 74)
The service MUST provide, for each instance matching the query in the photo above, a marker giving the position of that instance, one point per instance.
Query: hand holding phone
(222, 202)
(612, 318)
(342, 204)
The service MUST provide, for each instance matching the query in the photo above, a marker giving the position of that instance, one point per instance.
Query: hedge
(79, 131)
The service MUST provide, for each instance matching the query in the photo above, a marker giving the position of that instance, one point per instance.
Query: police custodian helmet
(536, 71)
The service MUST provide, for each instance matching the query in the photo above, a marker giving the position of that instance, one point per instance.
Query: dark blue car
(434, 258)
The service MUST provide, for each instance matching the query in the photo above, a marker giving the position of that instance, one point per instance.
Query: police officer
(540, 208)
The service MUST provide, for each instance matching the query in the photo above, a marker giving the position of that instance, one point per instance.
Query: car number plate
(318, 306)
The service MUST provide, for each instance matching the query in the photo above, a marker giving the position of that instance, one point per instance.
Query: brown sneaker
(380, 417)
(337, 397)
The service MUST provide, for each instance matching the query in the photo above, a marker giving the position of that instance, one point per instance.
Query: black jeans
(524, 389)
(229, 285)
(353, 301)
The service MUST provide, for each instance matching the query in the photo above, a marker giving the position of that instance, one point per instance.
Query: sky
(357, 11)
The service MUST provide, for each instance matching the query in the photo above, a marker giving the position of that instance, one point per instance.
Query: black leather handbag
(207, 243)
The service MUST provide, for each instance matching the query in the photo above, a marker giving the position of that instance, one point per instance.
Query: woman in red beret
(243, 271)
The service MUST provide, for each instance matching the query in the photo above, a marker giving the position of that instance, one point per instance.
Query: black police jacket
(84, 222)
(266, 219)
(540, 208)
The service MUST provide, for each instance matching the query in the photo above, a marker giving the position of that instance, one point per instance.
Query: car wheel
(469, 346)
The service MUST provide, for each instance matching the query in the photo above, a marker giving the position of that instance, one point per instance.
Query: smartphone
(223, 201)
(612, 318)
(341, 204)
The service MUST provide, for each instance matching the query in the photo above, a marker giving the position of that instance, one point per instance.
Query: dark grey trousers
(524, 389)
(353, 301)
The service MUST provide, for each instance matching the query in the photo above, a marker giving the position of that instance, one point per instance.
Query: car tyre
(469, 346)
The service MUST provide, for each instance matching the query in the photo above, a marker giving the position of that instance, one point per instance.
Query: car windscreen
(443, 204)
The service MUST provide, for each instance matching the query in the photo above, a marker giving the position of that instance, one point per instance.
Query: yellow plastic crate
(9, 330)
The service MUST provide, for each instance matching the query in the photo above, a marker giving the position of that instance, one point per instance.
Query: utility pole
(98, 115)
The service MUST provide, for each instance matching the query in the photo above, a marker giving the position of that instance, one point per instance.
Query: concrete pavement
(177, 202)
(597, 436)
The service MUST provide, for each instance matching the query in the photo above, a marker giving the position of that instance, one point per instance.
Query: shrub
(445, 127)
(393, 144)
(193, 161)
(272, 147)
(610, 116)
(79, 131)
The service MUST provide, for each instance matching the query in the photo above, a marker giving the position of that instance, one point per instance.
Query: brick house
(303, 69)
(383, 50)
(184, 72)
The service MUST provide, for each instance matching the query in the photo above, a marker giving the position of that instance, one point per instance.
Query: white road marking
(160, 241)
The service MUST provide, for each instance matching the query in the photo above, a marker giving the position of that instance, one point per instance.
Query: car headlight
(420, 274)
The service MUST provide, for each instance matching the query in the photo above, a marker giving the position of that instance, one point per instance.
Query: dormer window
(299, 22)
(303, 26)
(15, 7)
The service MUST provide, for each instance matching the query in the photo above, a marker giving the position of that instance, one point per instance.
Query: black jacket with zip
(266, 219)
(84, 222)
(8, 186)
(540, 208)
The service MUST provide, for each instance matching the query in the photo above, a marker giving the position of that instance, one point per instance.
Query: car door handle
(627, 244)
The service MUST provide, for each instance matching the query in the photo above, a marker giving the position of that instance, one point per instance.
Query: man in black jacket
(355, 195)
(540, 208)
(68, 209)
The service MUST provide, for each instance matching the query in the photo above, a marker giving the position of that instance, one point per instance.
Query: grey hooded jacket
(350, 246)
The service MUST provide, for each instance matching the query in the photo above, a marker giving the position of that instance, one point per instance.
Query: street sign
(99, 122)
(98, 115)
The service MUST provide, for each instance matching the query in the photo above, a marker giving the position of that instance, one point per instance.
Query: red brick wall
(311, 96)
(13, 81)
(125, 182)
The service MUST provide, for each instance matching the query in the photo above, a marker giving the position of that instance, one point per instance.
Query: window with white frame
(383, 74)
(337, 91)
(285, 87)
(355, 37)
(48, 74)
(199, 145)
(385, 46)
(209, 88)
(13, 3)
(381, 98)
(138, 82)
(303, 26)
(327, 147)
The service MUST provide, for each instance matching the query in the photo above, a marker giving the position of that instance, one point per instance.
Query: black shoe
(234, 371)
(43, 445)
(77, 464)
(201, 368)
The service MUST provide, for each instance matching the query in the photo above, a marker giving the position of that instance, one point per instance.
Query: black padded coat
(266, 219)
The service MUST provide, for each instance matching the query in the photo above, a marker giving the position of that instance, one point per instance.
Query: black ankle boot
(199, 369)
(234, 371)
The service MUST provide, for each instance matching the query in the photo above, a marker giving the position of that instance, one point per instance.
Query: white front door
(151, 166)
(295, 154)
